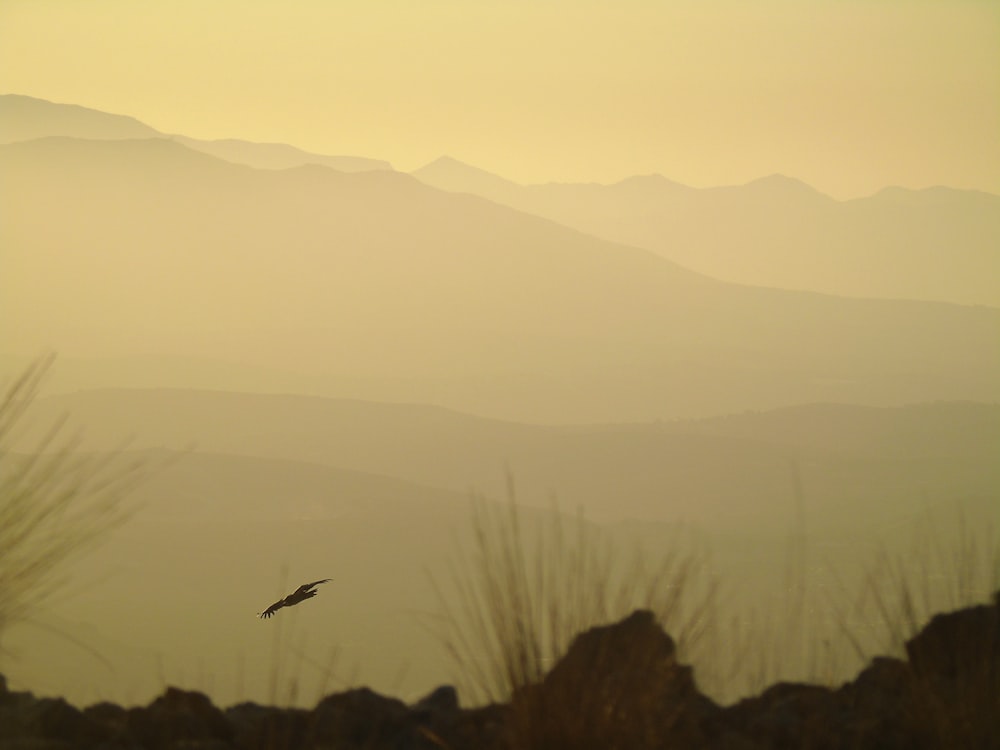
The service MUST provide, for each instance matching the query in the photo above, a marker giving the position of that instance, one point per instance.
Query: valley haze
(330, 358)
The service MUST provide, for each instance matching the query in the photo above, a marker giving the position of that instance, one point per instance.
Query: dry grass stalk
(524, 591)
(54, 503)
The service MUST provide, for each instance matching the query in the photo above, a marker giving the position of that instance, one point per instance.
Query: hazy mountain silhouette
(935, 244)
(24, 118)
(565, 201)
(452, 175)
(125, 247)
(278, 155)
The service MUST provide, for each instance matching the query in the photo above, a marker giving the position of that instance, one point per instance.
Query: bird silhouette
(303, 592)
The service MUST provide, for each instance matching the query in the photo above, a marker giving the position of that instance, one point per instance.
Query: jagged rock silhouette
(618, 686)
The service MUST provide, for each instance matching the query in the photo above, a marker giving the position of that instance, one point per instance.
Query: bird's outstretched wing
(272, 609)
(305, 587)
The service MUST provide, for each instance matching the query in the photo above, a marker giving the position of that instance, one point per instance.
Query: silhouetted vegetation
(55, 503)
(518, 598)
(530, 630)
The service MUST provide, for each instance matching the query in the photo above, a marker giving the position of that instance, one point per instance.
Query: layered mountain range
(936, 244)
(376, 285)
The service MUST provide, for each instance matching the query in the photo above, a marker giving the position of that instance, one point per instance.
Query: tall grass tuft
(910, 602)
(54, 503)
(948, 564)
(517, 598)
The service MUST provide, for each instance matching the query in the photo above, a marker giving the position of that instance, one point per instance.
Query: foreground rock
(619, 686)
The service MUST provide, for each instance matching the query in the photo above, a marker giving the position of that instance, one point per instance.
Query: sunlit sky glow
(848, 95)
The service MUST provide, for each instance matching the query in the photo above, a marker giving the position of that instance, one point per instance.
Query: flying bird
(303, 592)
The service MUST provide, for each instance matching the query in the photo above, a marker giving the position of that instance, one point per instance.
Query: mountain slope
(935, 244)
(277, 155)
(25, 118)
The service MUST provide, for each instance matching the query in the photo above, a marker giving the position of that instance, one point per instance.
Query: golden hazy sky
(848, 95)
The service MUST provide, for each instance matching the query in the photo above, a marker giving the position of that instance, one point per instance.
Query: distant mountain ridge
(25, 118)
(278, 155)
(934, 244)
(937, 244)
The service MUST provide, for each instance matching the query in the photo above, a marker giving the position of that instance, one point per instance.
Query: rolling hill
(853, 462)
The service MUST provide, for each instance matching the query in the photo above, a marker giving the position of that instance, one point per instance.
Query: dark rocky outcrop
(618, 686)
(179, 717)
(946, 694)
(258, 727)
